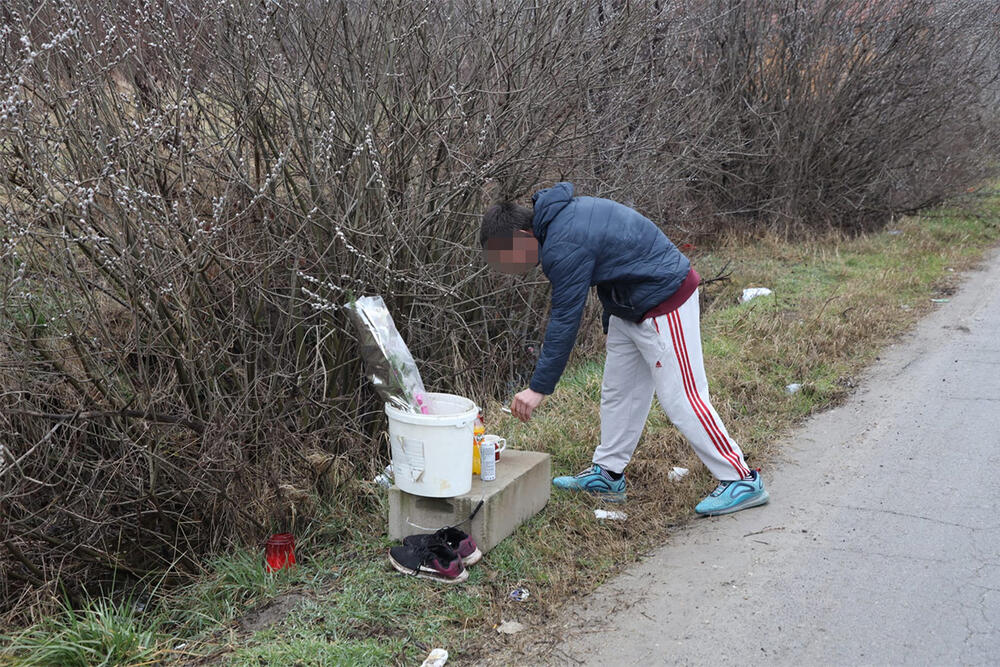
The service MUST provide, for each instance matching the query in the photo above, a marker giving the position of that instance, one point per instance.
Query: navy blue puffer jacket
(585, 242)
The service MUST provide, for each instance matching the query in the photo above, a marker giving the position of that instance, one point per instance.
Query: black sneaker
(430, 561)
(455, 539)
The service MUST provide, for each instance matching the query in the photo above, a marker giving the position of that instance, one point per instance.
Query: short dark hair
(503, 219)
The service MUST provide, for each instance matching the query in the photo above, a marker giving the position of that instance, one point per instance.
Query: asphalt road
(881, 544)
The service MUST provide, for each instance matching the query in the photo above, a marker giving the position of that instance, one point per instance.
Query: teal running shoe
(734, 496)
(594, 480)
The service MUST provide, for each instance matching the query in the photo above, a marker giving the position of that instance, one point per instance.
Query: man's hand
(524, 404)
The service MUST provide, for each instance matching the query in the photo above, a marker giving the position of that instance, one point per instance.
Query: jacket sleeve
(570, 277)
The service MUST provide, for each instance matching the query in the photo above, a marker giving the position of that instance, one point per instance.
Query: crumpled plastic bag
(510, 627)
(677, 473)
(754, 292)
(388, 361)
(436, 658)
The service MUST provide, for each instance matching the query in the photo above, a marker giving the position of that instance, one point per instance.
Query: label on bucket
(413, 455)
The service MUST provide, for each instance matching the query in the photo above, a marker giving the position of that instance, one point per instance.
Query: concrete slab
(520, 491)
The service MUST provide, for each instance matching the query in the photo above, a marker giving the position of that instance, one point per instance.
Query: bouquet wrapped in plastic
(388, 361)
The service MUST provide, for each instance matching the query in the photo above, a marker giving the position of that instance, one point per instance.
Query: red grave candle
(279, 552)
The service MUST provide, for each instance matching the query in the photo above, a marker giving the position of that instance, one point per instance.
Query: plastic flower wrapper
(388, 361)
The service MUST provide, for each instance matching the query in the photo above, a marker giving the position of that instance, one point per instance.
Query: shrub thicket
(191, 188)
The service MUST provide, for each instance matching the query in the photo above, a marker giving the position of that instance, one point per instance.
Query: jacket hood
(548, 203)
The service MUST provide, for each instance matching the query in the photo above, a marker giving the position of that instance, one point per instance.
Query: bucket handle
(465, 423)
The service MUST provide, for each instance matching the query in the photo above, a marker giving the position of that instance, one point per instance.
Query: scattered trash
(181, 646)
(488, 457)
(793, 388)
(510, 627)
(604, 514)
(753, 293)
(940, 300)
(385, 478)
(894, 232)
(677, 473)
(519, 594)
(435, 658)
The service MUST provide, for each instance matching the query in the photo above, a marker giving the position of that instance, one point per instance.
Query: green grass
(837, 301)
(102, 633)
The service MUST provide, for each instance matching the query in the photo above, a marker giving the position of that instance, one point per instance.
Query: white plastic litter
(677, 473)
(384, 479)
(519, 594)
(510, 627)
(895, 232)
(753, 293)
(435, 658)
(793, 388)
(604, 514)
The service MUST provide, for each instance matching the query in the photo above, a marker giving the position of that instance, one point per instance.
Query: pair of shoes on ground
(441, 556)
(728, 496)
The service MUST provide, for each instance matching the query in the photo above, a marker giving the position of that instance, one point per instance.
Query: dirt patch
(368, 630)
(272, 612)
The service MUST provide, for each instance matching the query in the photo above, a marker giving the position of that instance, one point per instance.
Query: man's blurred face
(512, 254)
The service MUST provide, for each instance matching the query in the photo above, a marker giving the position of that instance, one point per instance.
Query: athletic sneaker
(431, 561)
(458, 541)
(594, 480)
(734, 496)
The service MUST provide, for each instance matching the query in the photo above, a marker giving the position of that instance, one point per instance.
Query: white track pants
(662, 354)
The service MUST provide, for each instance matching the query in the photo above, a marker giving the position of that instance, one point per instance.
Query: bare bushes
(190, 195)
(804, 114)
(191, 189)
(842, 111)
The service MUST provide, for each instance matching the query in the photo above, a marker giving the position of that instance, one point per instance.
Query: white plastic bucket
(432, 453)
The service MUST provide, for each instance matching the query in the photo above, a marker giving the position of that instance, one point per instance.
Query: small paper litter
(677, 473)
(753, 293)
(436, 658)
(510, 627)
